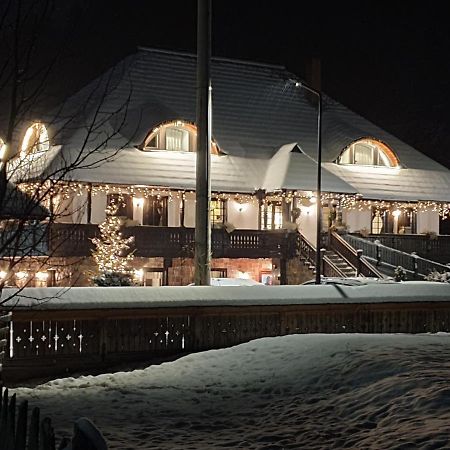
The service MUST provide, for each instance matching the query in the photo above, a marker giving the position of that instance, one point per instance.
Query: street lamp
(319, 174)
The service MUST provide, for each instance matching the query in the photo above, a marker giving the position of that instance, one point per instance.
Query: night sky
(387, 61)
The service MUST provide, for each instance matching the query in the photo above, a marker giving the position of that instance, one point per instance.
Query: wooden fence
(15, 434)
(58, 342)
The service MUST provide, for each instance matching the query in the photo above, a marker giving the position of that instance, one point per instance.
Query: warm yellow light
(396, 213)
(35, 140)
(138, 202)
(244, 275)
(139, 274)
(21, 275)
(41, 276)
(3, 274)
(313, 199)
(2, 150)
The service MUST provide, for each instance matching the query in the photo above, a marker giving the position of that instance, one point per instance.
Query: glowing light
(3, 274)
(2, 149)
(138, 202)
(35, 140)
(41, 276)
(21, 275)
(139, 274)
(244, 275)
(313, 200)
(396, 213)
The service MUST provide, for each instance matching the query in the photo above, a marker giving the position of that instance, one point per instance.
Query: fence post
(322, 259)
(415, 264)
(378, 244)
(359, 253)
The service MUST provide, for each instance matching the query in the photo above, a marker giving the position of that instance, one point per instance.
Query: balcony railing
(172, 242)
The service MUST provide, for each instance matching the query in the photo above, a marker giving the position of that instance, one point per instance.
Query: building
(130, 137)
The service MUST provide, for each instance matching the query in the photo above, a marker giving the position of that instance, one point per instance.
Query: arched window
(2, 149)
(35, 140)
(368, 152)
(174, 136)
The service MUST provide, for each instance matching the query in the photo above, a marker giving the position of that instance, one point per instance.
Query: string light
(345, 201)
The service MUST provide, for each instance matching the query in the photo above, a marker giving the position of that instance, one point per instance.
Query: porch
(174, 242)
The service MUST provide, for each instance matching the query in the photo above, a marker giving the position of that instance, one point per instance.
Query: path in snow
(292, 392)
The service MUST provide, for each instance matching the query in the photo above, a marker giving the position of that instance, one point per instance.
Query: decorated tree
(112, 253)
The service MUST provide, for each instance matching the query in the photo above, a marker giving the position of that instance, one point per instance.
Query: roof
(257, 109)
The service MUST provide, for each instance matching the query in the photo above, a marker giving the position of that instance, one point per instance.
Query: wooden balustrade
(170, 242)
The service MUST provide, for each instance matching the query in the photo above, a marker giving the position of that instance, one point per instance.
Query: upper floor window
(368, 152)
(35, 140)
(175, 136)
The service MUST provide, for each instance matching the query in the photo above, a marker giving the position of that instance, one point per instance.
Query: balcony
(171, 242)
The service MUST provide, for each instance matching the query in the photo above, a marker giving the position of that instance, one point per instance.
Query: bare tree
(38, 152)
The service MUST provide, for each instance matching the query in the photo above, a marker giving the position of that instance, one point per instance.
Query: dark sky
(388, 61)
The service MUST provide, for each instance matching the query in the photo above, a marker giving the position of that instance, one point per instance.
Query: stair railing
(354, 257)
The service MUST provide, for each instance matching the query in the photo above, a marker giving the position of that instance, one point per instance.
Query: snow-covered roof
(257, 109)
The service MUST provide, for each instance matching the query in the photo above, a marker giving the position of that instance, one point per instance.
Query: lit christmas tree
(112, 253)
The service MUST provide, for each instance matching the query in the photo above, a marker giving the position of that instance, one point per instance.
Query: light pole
(319, 175)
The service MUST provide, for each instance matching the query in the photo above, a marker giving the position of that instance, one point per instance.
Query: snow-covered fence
(40, 435)
(94, 328)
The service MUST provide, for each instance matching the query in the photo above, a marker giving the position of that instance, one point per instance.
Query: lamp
(319, 174)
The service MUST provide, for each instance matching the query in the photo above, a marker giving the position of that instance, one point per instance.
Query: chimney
(313, 73)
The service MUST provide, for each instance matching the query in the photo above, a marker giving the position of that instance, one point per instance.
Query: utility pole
(202, 260)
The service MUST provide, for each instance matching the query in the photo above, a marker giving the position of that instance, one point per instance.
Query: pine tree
(112, 253)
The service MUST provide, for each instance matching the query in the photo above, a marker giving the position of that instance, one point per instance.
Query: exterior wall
(307, 222)
(357, 220)
(189, 211)
(182, 271)
(173, 213)
(98, 208)
(242, 215)
(427, 221)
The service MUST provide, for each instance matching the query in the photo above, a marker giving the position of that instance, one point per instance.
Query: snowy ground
(292, 392)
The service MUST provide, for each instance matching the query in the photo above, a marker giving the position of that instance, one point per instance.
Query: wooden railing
(55, 342)
(353, 257)
(390, 258)
(432, 247)
(76, 240)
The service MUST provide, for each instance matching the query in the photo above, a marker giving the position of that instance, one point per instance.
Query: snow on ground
(347, 391)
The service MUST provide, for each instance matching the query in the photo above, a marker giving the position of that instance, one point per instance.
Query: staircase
(343, 266)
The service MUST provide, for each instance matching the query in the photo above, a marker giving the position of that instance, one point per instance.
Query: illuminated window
(271, 216)
(217, 212)
(177, 139)
(35, 141)
(368, 152)
(174, 136)
(2, 149)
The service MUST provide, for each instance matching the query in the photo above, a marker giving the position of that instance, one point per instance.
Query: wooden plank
(22, 423)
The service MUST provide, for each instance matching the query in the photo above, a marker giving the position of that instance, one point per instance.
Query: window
(377, 222)
(155, 211)
(124, 202)
(174, 136)
(217, 212)
(35, 140)
(177, 139)
(368, 152)
(271, 215)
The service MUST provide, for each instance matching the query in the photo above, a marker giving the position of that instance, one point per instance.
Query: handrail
(392, 258)
(353, 257)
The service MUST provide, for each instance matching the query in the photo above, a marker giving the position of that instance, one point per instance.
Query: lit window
(217, 212)
(368, 152)
(177, 139)
(174, 136)
(35, 140)
(271, 216)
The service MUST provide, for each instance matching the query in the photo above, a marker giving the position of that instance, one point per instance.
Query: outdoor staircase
(340, 263)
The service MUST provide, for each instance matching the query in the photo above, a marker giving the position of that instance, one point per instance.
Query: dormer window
(368, 152)
(176, 136)
(35, 141)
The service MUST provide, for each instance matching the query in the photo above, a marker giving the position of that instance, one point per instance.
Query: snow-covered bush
(434, 275)
(400, 274)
